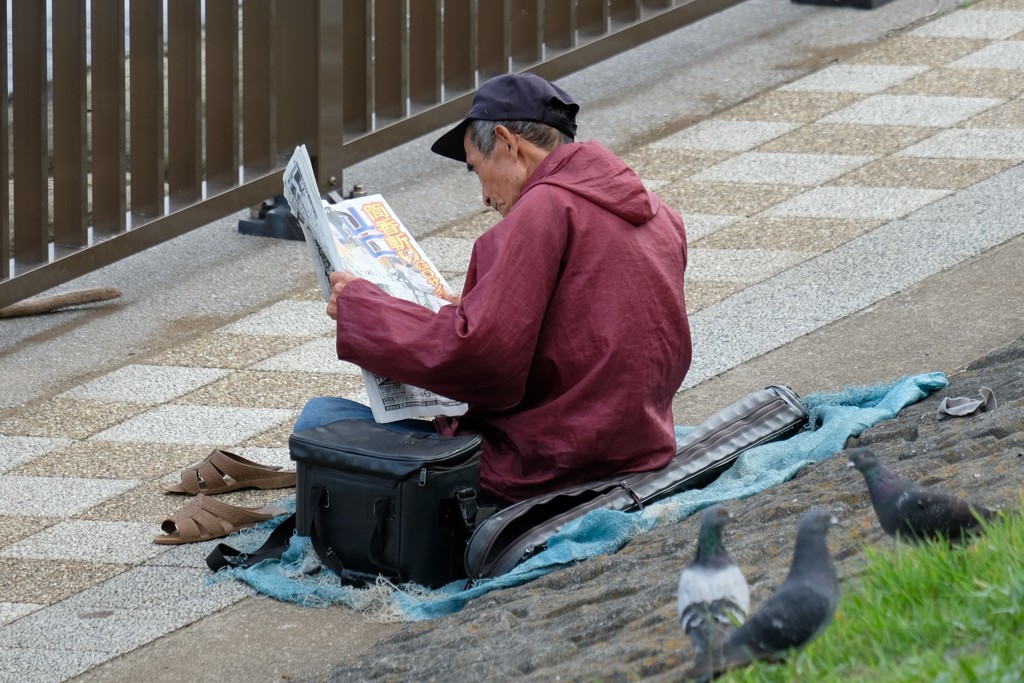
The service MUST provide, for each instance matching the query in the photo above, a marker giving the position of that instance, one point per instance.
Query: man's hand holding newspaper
(362, 238)
(338, 279)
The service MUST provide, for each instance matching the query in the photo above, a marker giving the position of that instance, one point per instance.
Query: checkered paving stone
(779, 193)
(146, 383)
(913, 110)
(1002, 56)
(15, 450)
(724, 135)
(854, 139)
(787, 233)
(966, 81)
(741, 265)
(856, 78)
(700, 225)
(973, 143)
(909, 49)
(317, 355)
(791, 107)
(923, 172)
(666, 165)
(227, 351)
(1009, 115)
(783, 169)
(974, 23)
(285, 319)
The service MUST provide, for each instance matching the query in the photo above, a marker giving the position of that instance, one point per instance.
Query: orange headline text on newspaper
(398, 240)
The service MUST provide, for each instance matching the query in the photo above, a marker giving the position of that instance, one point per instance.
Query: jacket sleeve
(480, 351)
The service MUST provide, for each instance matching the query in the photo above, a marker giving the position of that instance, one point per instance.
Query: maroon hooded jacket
(571, 338)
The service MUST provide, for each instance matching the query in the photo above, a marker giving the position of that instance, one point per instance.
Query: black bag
(521, 530)
(379, 502)
(376, 502)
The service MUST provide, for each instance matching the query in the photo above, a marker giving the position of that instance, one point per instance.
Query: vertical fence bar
(625, 10)
(184, 100)
(356, 54)
(559, 26)
(108, 117)
(424, 51)
(31, 215)
(221, 64)
(258, 112)
(331, 112)
(592, 17)
(294, 36)
(390, 40)
(492, 38)
(5, 188)
(147, 107)
(458, 62)
(524, 25)
(69, 126)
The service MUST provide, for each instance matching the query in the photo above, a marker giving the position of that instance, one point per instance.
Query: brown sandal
(204, 518)
(222, 472)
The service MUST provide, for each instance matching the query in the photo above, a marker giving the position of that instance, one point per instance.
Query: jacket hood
(592, 172)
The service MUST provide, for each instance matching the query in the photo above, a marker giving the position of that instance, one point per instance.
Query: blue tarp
(834, 418)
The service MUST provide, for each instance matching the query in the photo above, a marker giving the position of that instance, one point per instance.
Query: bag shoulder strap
(275, 545)
(501, 542)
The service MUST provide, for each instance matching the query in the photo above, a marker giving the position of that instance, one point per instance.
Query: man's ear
(507, 139)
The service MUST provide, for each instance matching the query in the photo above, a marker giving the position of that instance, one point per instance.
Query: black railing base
(856, 4)
(275, 220)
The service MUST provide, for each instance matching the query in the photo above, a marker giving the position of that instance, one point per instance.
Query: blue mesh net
(834, 418)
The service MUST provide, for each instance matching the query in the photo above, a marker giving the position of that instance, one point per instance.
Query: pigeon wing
(927, 513)
(793, 616)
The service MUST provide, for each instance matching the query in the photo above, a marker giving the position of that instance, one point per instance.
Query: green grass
(923, 613)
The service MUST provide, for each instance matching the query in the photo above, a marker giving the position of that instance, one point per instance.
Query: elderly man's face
(502, 174)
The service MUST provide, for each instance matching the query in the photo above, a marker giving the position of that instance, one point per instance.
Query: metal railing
(131, 122)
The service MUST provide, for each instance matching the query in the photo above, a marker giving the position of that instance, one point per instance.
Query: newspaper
(364, 237)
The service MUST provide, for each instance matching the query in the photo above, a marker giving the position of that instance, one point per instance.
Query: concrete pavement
(850, 221)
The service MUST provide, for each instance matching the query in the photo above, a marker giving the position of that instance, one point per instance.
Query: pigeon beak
(849, 463)
(833, 520)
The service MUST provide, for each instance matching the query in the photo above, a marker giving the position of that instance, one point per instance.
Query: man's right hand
(452, 298)
(338, 280)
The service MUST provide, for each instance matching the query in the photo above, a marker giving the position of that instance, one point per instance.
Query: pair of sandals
(205, 518)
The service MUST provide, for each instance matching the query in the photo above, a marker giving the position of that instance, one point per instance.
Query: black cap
(511, 97)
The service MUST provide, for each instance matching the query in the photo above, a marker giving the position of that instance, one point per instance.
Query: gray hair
(481, 133)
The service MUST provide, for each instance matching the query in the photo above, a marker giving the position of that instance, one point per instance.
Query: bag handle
(375, 553)
(275, 545)
(278, 541)
(375, 550)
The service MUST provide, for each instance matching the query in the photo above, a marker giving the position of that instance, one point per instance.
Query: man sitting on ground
(570, 337)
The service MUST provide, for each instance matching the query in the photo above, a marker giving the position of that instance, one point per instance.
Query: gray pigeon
(794, 615)
(914, 512)
(713, 595)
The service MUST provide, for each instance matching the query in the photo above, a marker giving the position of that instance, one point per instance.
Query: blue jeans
(326, 409)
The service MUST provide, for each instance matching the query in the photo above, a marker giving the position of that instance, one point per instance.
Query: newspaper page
(364, 237)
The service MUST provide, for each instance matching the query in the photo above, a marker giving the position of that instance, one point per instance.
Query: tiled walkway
(803, 205)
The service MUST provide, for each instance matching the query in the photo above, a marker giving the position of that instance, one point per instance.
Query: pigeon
(795, 614)
(713, 595)
(913, 512)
